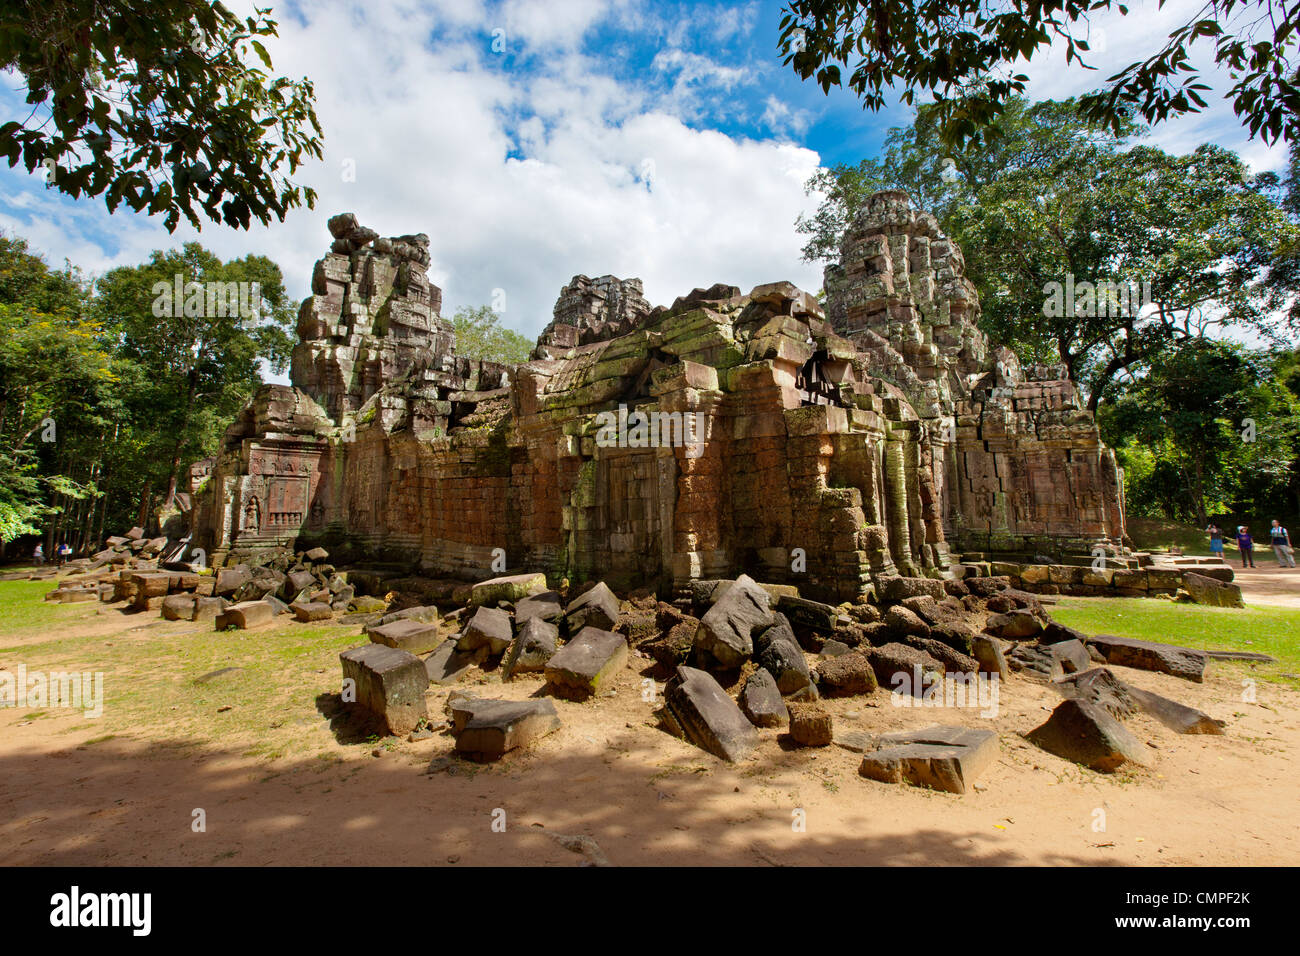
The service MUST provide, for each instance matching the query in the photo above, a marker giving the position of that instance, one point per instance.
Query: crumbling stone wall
(835, 450)
(1024, 471)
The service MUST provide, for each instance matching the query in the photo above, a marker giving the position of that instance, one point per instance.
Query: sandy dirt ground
(1269, 584)
(71, 794)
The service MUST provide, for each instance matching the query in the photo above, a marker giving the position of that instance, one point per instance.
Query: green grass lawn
(1265, 630)
(23, 608)
(151, 669)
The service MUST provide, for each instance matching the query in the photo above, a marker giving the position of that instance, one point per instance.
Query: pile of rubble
(149, 575)
(738, 656)
(92, 579)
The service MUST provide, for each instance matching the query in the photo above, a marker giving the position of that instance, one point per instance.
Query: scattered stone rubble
(739, 659)
(832, 499)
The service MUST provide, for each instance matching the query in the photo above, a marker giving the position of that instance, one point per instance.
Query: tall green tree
(198, 331)
(54, 370)
(1208, 427)
(158, 104)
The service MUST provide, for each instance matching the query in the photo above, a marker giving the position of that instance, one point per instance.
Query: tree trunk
(146, 497)
(180, 438)
(1198, 495)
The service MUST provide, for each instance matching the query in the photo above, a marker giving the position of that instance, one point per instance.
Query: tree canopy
(108, 390)
(966, 54)
(480, 335)
(157, 103)
(1056, 198)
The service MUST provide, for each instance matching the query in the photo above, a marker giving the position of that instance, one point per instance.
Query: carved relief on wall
(253, 515)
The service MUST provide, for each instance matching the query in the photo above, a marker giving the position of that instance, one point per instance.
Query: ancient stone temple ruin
(835, 447)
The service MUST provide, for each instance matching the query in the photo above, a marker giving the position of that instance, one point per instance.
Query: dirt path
(69, 796)
(1269, 584)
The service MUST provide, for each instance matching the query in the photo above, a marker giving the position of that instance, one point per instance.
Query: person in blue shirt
(1216, 540)
(1246, 545)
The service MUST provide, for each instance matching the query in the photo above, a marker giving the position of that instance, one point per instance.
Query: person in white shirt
(1281, 541)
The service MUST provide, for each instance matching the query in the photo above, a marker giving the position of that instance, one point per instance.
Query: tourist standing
(1281, 541)
(1216, 540)
(39, 555)
(1246, 544)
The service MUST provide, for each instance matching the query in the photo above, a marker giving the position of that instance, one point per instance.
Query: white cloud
(436, 125)
(783, 120)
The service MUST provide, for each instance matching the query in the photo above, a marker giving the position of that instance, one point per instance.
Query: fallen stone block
(545, 605)
(1014, 625)
(812, 615)
(1087, 734)
(178, 607)
(952, 660)
(245, 615)
(417, 637)
(847, 675)
(727, 630)
(1071, 656)
(810, 725)
(446, 665)
(898, 666)
(597, 607)
(494, 727)
(230, 580)
(675, 647)
(1149, 656)
(1099, 686)
(313, 611)
(941, 758)
(367, 604)
(530, 651)
(151, 584)
(389, 683)
(296, 582)
(698, 710)
(587, 664)
(987, 587)
(761, 702)
(988, 652)
(208, 608)
(510, 588)
(901, 621)
(1206, 590)
(489, 628)
(899, 589)
(1177, 717)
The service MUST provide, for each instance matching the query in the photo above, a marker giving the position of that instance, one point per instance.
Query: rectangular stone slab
(389, 684)
(586, 664)
(509, 588)
(246, 615)
(698, 710)
(1182, 662)
(446, 665)
(1176, 716)
(312, 611)
(942, 758)
(413, 636)
(494, 727)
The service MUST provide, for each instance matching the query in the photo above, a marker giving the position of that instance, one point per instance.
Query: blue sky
(664, 141)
